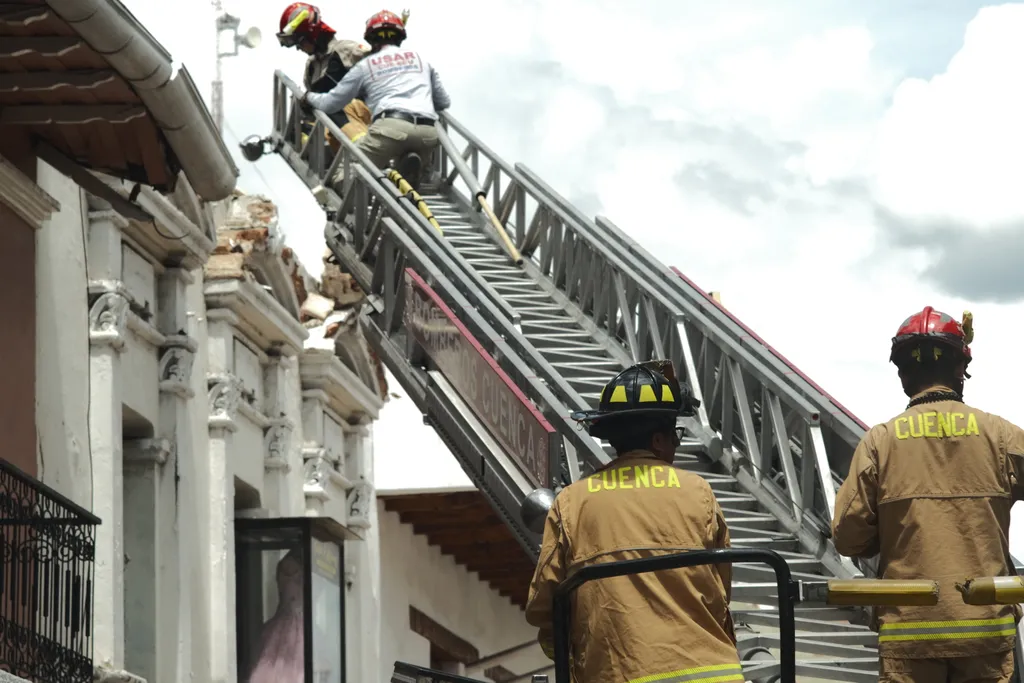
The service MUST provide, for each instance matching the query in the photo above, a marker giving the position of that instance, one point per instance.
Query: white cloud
(953, 146)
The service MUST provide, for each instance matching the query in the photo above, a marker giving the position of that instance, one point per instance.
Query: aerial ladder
(500, 308)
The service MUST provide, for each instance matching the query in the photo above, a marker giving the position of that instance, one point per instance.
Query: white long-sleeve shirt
(392, 79)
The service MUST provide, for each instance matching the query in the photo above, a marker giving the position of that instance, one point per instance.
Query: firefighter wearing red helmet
(404, 95)
(330, 58)
(671, 625)
(930, 493)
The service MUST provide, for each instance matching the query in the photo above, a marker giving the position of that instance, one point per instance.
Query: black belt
(403, 116)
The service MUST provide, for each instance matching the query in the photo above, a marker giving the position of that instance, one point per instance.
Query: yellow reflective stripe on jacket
(718, 673)
(947, 630)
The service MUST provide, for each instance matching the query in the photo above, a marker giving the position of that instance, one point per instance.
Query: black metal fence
(786, 587)
(47, 555)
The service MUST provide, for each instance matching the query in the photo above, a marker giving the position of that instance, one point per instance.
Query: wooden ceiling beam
(472, 516)
(464, 523)
(507, 548)
(486, 563)
(430, 502)
(488, 573)
(487, 536)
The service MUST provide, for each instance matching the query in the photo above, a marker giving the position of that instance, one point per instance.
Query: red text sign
(512, 420)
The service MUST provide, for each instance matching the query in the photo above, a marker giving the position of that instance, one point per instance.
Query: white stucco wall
(417, 574)
(363, 599)
(410, 454)
(62, 338)
(196, 469)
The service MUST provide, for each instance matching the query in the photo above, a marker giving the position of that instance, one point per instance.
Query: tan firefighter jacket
(672, 624)
(931, 491)
(323, 72)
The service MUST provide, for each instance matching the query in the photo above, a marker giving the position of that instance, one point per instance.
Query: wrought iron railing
(47, 554)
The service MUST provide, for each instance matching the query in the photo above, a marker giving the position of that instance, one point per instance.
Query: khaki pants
(996, 668)
(358, 123)
(388, 139)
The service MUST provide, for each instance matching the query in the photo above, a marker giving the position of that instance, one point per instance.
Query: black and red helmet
(384, 25)
(300, 21)
(929, 332)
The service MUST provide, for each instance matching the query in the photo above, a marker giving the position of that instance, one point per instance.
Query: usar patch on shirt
(394, 63)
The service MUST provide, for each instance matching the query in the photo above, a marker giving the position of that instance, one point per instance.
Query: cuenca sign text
(512, 420)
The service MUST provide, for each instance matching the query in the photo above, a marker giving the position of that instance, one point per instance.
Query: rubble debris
(382, 377)
(249, 246)
(317, 306)
(299, 275)
(341, 287)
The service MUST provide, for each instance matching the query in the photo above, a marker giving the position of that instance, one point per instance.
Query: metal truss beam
(586, 302)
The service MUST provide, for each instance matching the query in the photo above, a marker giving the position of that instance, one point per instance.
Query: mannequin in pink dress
(282, 650)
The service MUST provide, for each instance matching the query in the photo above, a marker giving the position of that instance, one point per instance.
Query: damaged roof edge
(172, 100)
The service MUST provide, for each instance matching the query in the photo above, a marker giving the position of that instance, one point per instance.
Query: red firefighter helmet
(299, 21)
(935, 329)
(383, 25)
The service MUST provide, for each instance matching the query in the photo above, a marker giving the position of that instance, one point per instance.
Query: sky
(830, 167)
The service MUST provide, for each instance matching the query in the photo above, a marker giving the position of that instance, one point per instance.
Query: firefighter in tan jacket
(330, 58)
(671, 625)
(930, 491)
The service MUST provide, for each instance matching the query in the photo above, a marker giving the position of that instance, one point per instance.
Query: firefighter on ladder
(404, 94)
(330, 58)
(930, 491)
(669, 625)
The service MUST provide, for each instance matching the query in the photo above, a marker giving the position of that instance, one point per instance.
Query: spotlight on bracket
(534, 509)
(254, 147)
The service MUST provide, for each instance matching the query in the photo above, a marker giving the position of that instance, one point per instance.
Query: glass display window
(290, 601)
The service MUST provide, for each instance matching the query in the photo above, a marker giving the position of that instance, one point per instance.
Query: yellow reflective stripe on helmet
(666, 394)
(716, 673)
(647, 394)
(296, 22)
(947, 630)
(618, 395)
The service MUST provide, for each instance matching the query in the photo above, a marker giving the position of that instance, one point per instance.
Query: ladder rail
(528, 369)
(614, 297)
(379, 236)
(649, 318)
(369, 196)
(834, 414)
(316, 172)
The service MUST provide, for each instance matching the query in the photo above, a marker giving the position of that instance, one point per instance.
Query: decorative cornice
(225, 392)
(360, 498)
(347, 394)
(178, 238)
(175, 369)
(260, 316)
(108, 320)
(276, 444)
(147, 452)
(25, 198)
(249, 412)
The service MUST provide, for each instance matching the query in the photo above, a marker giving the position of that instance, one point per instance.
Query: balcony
(47, 555)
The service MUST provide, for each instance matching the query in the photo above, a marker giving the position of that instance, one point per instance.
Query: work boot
(409, 167)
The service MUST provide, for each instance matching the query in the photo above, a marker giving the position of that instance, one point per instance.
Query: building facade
(199, 411)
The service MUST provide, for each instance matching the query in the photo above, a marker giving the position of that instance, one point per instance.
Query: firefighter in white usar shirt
(403, 92)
